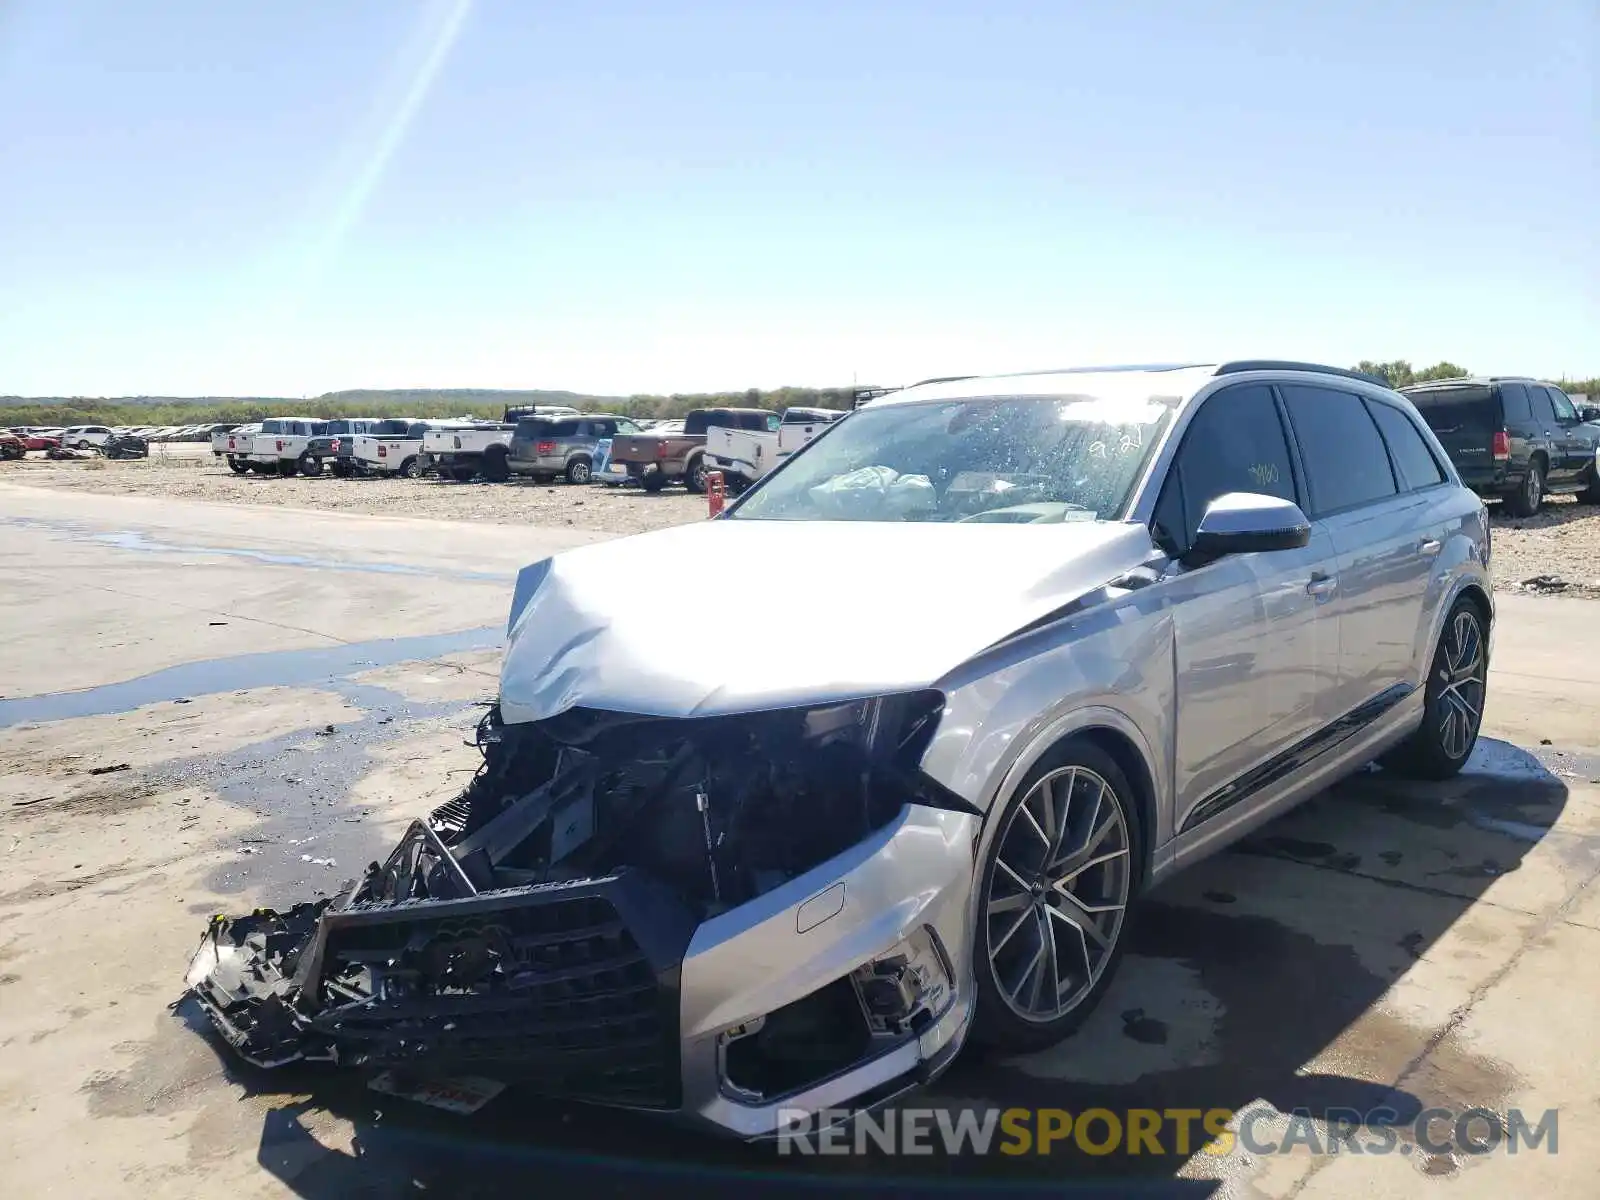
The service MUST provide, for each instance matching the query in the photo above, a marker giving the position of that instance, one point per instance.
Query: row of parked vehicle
(542, 443)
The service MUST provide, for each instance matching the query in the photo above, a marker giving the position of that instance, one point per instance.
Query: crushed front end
(731, 918)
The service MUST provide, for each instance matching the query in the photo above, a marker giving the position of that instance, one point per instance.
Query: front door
(1256, 642)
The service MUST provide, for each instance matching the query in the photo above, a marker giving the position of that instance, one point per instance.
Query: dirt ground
(1558, 550)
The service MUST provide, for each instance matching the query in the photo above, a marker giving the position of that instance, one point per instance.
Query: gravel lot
(192, 477)
(1560, 548)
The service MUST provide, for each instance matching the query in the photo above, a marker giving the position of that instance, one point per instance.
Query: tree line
(492, 403)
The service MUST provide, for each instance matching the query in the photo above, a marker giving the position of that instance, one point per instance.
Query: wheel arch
(1116, 735)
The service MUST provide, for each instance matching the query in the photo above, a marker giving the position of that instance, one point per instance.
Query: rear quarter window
(1412, 458)
(699, 421)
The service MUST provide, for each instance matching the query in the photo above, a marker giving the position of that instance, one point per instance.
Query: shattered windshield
(1024, 460)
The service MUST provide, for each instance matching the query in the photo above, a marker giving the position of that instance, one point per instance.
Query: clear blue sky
(304, 195)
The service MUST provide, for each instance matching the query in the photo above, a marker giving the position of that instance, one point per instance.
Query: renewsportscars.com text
(1169, 1131)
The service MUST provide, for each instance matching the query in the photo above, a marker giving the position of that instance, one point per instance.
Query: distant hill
(373, 402)
(361, 396)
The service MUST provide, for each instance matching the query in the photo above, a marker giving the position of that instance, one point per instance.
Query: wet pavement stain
(141, 543)
(316, 667)
(1140, 1028)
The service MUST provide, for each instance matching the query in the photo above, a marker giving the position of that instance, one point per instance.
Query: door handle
(1430, 547)
(1321, 585)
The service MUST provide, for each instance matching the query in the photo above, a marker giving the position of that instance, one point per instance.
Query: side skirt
(1302, 754)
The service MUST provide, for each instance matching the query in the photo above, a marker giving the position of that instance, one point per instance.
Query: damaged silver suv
(1091, 626)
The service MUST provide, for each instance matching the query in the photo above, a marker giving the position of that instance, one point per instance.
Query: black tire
(1108, 846)
(653, 481)
(342, 468)
(409, 468)
(1529, 496)
(238, 466)
(1453, 700)
(580, 470)
(463, 474)
(496, 464)
(1591, 490)
(309, 465)
(694, 475)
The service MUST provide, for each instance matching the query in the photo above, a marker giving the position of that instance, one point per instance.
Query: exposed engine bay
(537, 921)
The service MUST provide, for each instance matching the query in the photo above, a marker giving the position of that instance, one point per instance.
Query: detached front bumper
(841, 987)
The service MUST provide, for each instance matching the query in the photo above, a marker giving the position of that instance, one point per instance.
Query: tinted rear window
(390, 428)
(699, 421)
(1346, 463)
(337, 427)
(1450, 408)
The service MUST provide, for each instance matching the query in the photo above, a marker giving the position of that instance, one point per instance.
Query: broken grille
(548, 984)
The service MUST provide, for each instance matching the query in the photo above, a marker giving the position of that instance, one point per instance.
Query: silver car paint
(1193, 680)
(582, 635)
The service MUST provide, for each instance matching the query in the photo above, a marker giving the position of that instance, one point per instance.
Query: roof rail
(939, 379)
(1281, 364)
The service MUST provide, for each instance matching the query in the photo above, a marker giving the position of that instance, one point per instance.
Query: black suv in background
(1513, 438)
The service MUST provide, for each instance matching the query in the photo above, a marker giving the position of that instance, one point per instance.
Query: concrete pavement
(1388, 945)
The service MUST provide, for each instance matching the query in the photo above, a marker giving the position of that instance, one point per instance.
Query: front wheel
(1056, 884)
(1453, 699)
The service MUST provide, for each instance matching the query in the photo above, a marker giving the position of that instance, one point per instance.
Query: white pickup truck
(234, 445)
(279, 446)
(393, 447)
(745, 455)
(461, 452)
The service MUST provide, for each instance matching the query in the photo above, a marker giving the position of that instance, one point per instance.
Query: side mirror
(1247, 523)
(1589, 413)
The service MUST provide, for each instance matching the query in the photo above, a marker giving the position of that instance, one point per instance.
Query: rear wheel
(1525, 501)
(463, 474)
(309, 465)
(1452, 700)
(1056, 885)
(409, 469)
(580, 470)
(341, 468)
(654, 481)
(238, 466)
(496, 465)
(695, 477)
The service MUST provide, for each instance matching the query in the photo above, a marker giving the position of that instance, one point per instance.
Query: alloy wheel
(1058, 893)
(1462, 680)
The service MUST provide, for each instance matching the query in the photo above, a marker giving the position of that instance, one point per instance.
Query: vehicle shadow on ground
(1251, 978)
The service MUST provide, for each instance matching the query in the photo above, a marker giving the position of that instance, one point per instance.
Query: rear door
(1465, 420)
(1554, 437)
(1386, 537)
